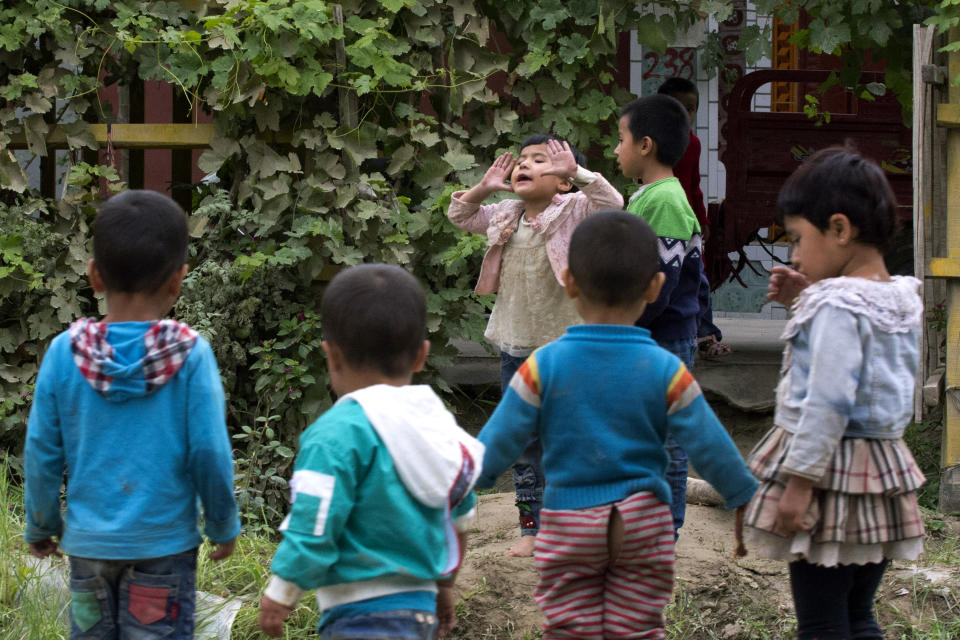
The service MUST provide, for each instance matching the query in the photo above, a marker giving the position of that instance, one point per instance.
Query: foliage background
(370, 151)
(320, 163)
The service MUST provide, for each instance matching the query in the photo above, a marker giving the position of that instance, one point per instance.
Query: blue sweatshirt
(603, 399)
(136, 462)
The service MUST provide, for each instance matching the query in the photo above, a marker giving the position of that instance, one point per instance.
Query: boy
(654, 132)
(528, 239)
(687, 171)
(603, 399)
(132, 406)
(381, 489)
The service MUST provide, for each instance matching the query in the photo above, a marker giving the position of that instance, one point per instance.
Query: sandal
(709, 347)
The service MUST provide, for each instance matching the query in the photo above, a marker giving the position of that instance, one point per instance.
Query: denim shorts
(133, 599)
(398, 624)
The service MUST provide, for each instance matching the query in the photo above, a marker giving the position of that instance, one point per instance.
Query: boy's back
(382, 483)
(135, 462)
(369, 517)
(604, 398)
(131, 410)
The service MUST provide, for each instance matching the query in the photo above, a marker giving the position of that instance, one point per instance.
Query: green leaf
(459, 161)
(360, 144)
(826, 38)
(79, 135)
(401, 159)
(573, 47)
(221, 149)
(36, 130)
(650, 33)
(549, 13)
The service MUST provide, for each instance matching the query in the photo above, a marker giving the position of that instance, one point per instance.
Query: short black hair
(664, 120)
(139, 239)
(673, 86)
(840, 180)
(542, 138)
(376, 314)
(613, 257)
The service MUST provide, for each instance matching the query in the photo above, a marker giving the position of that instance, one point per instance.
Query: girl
(528, 241)
(838, 485)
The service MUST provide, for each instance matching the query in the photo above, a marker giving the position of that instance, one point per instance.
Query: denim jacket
(849, 367)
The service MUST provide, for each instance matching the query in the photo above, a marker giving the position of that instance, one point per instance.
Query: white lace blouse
(532, 308)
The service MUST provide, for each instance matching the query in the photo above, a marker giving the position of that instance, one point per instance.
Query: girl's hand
(785, 285)
(561, 157)
(793, 505)
(495, 179)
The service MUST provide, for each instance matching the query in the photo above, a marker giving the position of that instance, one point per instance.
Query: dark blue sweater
(664, 206)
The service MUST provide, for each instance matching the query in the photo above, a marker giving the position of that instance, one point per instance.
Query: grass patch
(27, 608)
(34, 598)
(925, 440)
(711, 613)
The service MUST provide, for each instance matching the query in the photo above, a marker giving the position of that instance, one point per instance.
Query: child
(132, 406)
(603, 400)
(838, 484)
(381, 488)
(528, 240)
(687, 171)
(654, 132)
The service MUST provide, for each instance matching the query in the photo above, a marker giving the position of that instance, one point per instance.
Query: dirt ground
(716, 596)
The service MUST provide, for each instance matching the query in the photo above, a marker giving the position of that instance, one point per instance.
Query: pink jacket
(499, 221)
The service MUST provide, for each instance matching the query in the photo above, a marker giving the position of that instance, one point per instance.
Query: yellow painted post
(949, 116)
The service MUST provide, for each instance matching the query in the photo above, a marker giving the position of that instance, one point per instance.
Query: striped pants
(595, 583)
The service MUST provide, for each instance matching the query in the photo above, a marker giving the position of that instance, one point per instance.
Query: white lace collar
(893, 306)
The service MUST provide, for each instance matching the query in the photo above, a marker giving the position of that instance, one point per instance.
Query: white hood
(437, 461)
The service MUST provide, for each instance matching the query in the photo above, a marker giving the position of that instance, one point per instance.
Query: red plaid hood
(112, 372)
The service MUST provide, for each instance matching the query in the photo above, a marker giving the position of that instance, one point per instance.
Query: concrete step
(747, 377)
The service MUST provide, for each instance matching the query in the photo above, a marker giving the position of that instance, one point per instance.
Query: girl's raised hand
(562, 160)
(495, 179)
(785, 285)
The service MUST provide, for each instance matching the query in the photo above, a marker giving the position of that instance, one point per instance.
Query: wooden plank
(944, 268)
(922, 181)
(147, 136)
(948, 115)
(135, 136)
(349, 109)
(950, 452)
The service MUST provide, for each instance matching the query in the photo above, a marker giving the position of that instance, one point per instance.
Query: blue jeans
(684, 349)
(705, 326)
(836, 603)
(528, 480)
(133, 599)
(399, 624)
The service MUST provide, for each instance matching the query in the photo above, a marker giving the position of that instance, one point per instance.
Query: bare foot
(523, 548)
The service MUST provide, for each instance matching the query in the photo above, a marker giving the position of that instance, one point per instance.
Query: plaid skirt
(864, 508)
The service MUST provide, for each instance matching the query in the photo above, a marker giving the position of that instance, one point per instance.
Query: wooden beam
(146, 136)
(951, 428)
(922, 190)
(944, 268)
(948, 115)
(134, 136)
